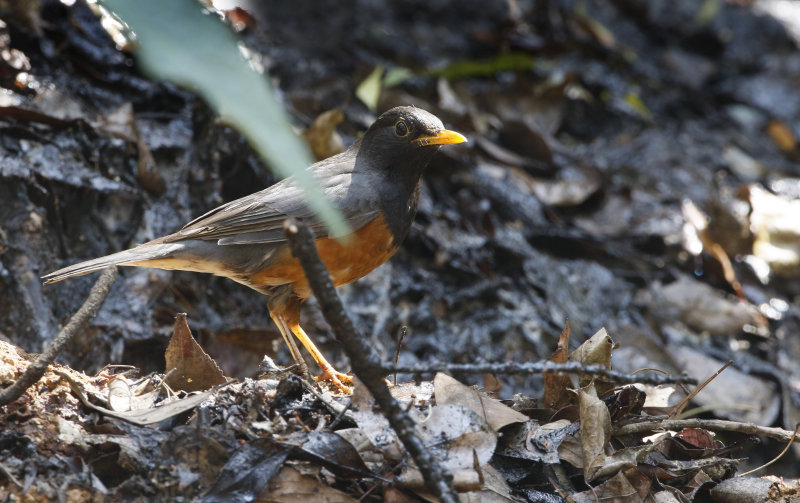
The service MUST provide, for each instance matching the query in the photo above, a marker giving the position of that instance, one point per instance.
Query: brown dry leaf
(570, 450)
(494, 489)
(595, 351)
(322, 137)
(624, 459)
(371, 455)
(556, 394)
(595, 431)
(621, 488)
(461, 440)
(574, 186)
(393, 495)
(701, 307)
(449, 391)
(194, 369)
(240, 19)
(537, 443)
(290, 486)
(782, 135)
(665, 497)
(121, 123)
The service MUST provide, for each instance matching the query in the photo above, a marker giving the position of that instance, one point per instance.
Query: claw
(340, 381)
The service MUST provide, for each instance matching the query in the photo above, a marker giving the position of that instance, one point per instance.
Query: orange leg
(328, 372)
(285, 312)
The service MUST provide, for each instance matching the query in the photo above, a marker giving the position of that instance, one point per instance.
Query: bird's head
(407, 133)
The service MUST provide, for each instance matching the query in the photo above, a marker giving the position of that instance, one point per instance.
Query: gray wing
(259, 217)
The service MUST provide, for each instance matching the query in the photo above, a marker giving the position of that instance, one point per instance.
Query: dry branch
(87, 311)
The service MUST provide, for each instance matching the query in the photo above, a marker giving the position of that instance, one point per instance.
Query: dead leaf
(121, 123)
(595, 351)
(536, 442)
(556, 394)
(595, 430)
(782, 135)
(494, 489)
(330, 450)
(702, 308)
(449, 391)
(194, 370)
(140, 417)
(621, 488)
(624, 459)
(291, 486)
(461, 440)
(240, 19)
(374, 424)
(249, 472)
(322, 137)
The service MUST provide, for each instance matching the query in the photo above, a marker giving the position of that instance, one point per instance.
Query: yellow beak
(442, 137)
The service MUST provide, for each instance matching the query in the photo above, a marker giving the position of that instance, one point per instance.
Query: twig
(88, 310)
(776, 458)
(708, 424)
(538, 368)
(10, 476)
(678, 408)
(364, 360)
(403, 332)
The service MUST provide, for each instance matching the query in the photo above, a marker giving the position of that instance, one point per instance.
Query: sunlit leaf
(396, 75)
(635, 102)
(369, 90)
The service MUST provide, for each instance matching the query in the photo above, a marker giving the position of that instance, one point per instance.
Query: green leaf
(635, 102)
(396, 75)
(176, 41)
(508, 62)
(369, 90)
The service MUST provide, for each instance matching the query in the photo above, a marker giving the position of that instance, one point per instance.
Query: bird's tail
(142, 255)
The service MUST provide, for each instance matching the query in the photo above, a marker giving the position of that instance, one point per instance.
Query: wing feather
(259, 217)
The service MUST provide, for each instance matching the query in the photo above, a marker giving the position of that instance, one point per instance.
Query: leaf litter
(276, 440)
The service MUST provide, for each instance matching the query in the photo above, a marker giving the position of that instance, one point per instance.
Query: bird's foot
(342, 382)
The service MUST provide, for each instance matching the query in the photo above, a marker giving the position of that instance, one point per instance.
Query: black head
(405, 138)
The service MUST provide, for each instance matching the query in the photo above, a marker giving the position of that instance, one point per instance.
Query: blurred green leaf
(176, 41)
(503, 63)
(369, 90)
(635, 102)
(708, 11)
(396, 75)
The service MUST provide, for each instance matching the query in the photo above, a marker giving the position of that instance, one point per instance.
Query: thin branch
(538, 368)
(88, 310)
(708, 424)
(364, 360)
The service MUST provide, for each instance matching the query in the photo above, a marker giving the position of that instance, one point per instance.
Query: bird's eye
(401, 128)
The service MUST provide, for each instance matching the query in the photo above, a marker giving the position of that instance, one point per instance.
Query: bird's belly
(347, 259)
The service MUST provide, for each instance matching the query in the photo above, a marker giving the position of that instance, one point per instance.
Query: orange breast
(346, 260)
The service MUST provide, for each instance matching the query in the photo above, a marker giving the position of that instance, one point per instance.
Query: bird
(375, 184)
